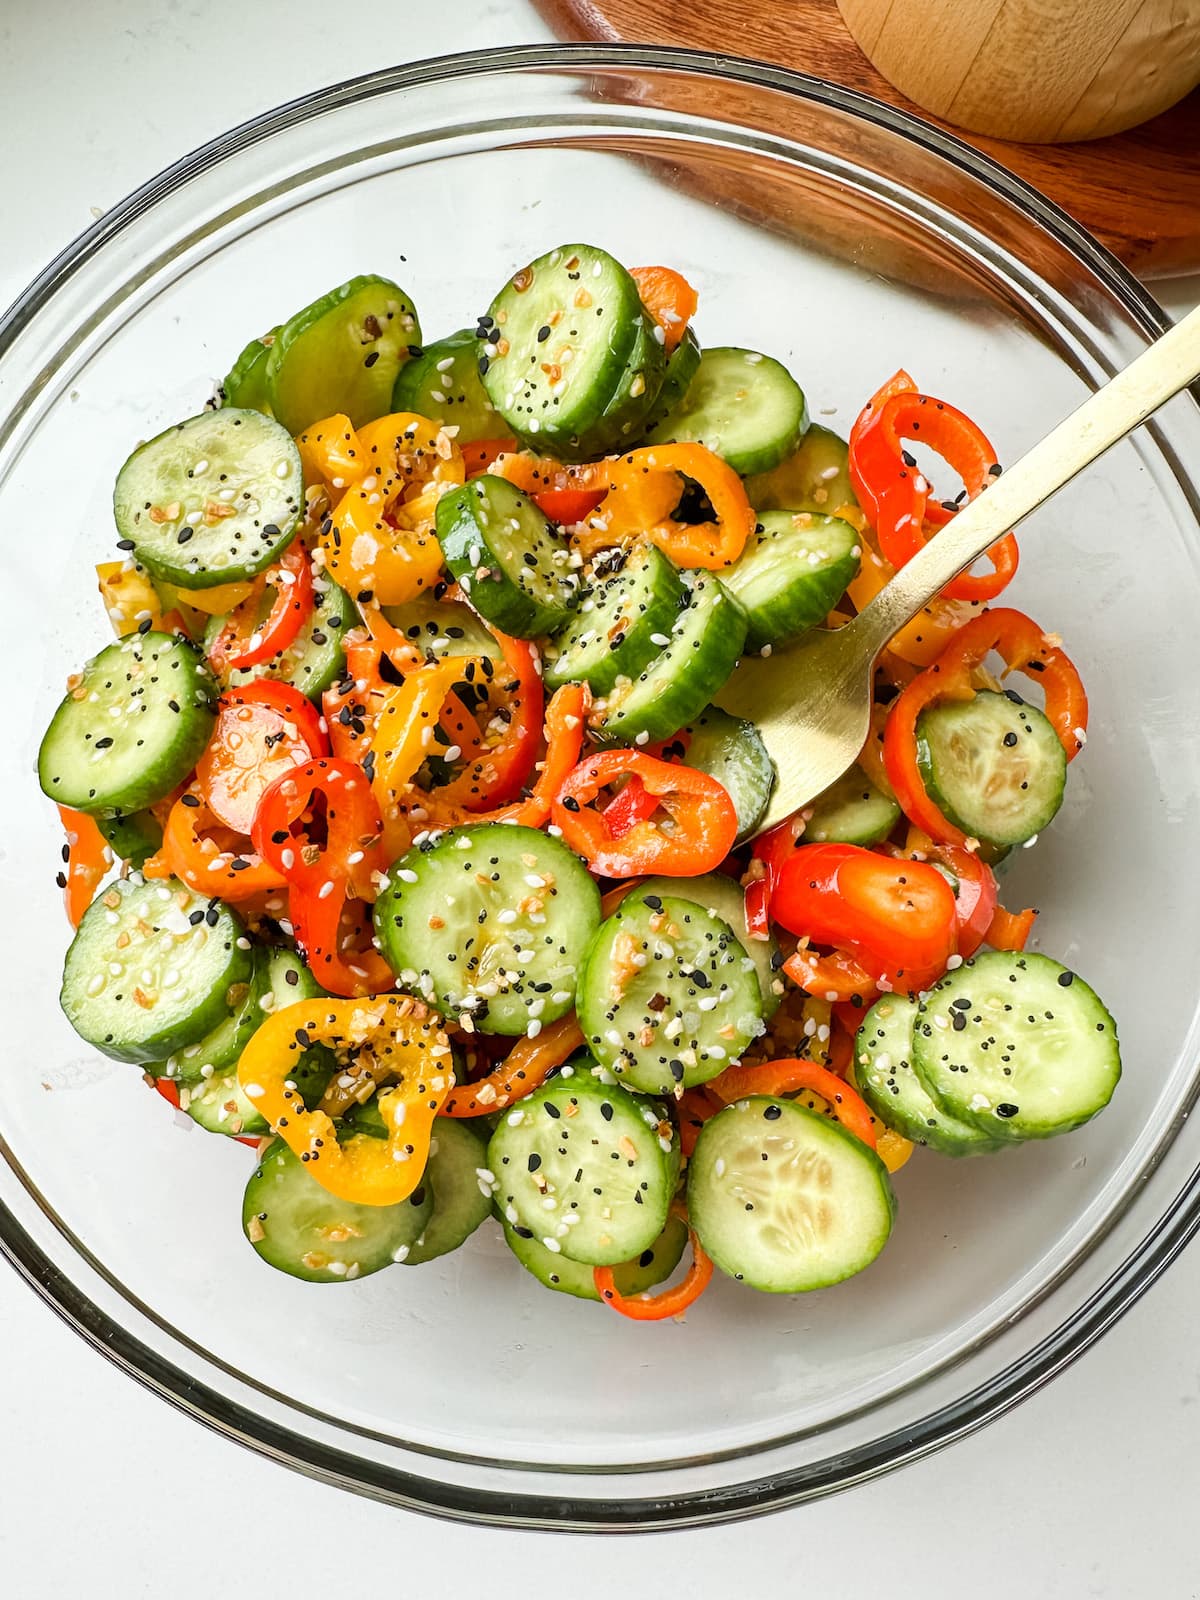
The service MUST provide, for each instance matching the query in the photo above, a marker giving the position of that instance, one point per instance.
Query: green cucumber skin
(722, 410)
(245, 387)
(186, 469)
(486, 554)
(602, 335)
(1030, 745)
(782, 592)
(451, 395)
(354, 318)
(650, 592)
(988, 1072)
(167, 698)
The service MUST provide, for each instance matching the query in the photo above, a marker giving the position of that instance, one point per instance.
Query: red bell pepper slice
(244, 641)
(895, 918)
(1025, 648)
(262, 731)
(898, 498)
(321, 879)
(671, 1302)
(702, 816)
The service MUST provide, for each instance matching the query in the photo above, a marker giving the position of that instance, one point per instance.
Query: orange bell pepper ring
(669, 299)
(405, 1038)
(379, 541)
(645, 486)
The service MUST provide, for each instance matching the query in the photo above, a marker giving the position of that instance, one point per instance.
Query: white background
(1087, 1490)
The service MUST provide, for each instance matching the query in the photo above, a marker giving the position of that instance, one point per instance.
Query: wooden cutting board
(1137, 191)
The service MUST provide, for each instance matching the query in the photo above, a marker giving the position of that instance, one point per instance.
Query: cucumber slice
(246, 385)
(342, 353)
(701, 652)
(212, 500)
(577, 1149)
(793, 576)
(888, 1082)
(624, 416)
(507, 556)
(316, 658)
(623, 620)
(461, 1197)
(132, 726)
(221, 1049)
(731, 750)
(744, 406)
(654, 1265)
(993, 764)
(443, 382)
(725, 898)
(682, 365)
(668, 996)
(132, 836)
(815, 477)
(490, 921)
(1016, 1045)
(443, 628)
(785, 1200)
(303, 1230)
(560, 334)
(150, 969)
(851, 811)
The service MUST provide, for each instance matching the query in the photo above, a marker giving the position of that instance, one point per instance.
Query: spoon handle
(1169, 365)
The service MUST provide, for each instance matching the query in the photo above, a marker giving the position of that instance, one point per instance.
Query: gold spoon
(812, 701)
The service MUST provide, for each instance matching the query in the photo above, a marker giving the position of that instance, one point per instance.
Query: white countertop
(1086, 1490)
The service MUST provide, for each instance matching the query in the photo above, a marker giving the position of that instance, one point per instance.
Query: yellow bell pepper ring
(405, 1040)
(332, 454)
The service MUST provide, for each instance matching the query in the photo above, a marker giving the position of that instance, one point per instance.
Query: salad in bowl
(409, 843)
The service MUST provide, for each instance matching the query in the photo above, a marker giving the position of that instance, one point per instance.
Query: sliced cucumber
(443, 628)
(342, 353)
(316, 658)
(785, 1200)
(1016, 1045)
(993, 764)
(221, 1049)
(583, 1167)
(246, 385)
(815, 477)
(791, 578)
(851, 811)
(744, 406)
(300, 1228)
(624, 417)
(132, 835)
(490, 921)
(150, 969)
(668, 996)
(212, 500)
(888, 1082)
(131, 727)
(623, 620)
(560, 334)
(731, 750)
(725, 898)
(462, 1197)
(682, 366)
(507, 556)
(701, 652)
(443, 382)
(654, 1265)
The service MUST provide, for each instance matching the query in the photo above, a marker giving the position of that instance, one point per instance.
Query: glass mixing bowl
(850, 240)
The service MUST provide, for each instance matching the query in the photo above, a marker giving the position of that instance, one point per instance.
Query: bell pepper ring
(1025, 648)
(210, 858)
(644, 487)
(897, 496)
(405, 1040)
(669, 301)
(701, 814)
(261, 732)
(775, 1078)
(525, 1068)
(895, 918)
(379, 541)
(86, 859)
(245, 641)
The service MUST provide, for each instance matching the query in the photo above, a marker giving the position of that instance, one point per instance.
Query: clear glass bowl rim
(412, 1491)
